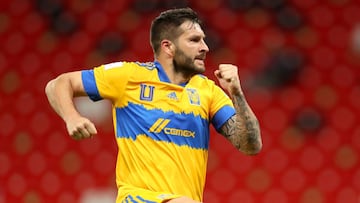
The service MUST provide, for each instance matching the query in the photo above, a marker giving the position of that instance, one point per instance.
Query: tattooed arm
(242, 129)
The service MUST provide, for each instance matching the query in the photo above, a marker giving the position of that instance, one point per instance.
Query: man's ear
(168, 47)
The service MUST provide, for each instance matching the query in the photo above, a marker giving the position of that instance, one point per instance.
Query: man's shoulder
(147, 65)
(127, 64)
(203, 80)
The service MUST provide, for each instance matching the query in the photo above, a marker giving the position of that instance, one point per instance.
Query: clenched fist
(80, 128)
(228, 77)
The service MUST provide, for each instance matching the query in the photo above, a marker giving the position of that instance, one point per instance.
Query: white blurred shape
(98, 196)
(98, 112)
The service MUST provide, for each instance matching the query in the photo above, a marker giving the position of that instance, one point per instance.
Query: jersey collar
(162, 75)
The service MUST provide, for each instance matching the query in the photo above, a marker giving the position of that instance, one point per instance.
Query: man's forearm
(243, 129)
(60, 96)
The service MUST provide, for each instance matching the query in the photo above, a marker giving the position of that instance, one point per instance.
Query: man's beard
(186, 64)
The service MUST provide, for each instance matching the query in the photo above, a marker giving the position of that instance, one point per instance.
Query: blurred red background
(299, 63)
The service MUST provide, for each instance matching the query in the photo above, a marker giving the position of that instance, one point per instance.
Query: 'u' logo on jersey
(146, 92)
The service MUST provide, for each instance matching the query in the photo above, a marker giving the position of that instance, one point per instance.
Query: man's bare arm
(242, 129)
(60, 93)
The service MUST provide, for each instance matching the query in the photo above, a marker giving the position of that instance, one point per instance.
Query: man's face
(190, 49)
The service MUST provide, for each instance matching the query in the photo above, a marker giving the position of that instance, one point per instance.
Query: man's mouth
(200, 61)
(202, 57)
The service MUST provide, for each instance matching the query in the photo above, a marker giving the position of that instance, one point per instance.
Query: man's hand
(80, 128)
(228, 77)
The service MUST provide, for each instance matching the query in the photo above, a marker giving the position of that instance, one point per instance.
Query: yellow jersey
(161, 129)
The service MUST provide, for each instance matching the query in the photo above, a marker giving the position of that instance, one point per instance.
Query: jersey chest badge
(193, 96)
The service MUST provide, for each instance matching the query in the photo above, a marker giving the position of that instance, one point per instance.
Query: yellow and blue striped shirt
(162, 129)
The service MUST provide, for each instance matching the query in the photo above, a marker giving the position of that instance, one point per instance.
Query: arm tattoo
(242, 129)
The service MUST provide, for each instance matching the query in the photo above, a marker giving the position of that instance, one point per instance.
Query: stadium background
(299, 65)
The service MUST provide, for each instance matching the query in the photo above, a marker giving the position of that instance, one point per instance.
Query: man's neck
(175, 77)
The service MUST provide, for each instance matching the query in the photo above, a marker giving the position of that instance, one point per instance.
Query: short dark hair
(166, 25)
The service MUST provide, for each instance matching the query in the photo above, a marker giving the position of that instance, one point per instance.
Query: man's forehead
(191, 26)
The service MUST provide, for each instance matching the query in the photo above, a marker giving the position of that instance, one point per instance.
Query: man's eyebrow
(196, 36)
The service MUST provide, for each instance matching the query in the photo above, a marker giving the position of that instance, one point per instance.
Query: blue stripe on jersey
(179, 128)
(144, 200)
(222, 116)
(131, 199)
(88, 80)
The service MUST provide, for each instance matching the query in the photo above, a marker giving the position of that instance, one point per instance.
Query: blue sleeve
(222, 116)
(89, 83)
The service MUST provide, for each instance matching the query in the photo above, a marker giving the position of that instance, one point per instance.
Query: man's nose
(204, 46)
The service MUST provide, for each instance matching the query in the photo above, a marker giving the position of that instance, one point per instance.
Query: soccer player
(162, 111)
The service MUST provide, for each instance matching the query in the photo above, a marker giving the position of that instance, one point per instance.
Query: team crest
(193, 96)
